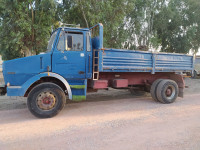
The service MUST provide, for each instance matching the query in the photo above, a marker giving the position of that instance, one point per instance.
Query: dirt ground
(112, 119)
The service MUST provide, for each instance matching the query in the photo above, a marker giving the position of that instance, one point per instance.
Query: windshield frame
(51, 41)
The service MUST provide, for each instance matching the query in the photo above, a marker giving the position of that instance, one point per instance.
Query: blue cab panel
(18, 71)
(74, 62)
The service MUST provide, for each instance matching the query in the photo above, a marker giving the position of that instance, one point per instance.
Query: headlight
(8, 84)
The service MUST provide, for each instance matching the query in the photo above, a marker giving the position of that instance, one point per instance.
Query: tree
(139, 23)
(25, 26)
(193, 23)
(177, 26)
(173, 25)
(89, 12)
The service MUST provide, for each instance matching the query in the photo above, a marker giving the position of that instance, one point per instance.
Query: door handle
(81, 72)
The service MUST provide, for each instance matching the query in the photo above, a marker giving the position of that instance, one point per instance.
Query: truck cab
(67, 62)
(69, 54)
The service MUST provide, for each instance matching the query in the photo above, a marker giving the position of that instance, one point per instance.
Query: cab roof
(71, 28)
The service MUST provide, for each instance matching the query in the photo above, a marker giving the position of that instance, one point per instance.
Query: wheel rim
(170, 92)
(46, 100)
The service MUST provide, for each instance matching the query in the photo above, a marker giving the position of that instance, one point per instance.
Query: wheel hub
(46, 100)
(170, 92)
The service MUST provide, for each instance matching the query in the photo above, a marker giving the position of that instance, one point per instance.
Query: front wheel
(46, 100)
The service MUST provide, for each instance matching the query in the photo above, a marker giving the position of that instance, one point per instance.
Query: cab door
(69, 58)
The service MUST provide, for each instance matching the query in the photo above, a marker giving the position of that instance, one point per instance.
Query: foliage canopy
(170, 25)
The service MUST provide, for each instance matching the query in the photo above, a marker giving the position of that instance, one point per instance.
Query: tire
(167, 91)
(154, 88)
(137, 92)
(46, 100)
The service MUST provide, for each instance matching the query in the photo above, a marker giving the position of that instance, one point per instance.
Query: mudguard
(20, 91)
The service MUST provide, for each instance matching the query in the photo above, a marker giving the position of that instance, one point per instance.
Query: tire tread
(36, 90)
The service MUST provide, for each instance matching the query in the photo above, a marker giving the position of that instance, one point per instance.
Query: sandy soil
(108, 120)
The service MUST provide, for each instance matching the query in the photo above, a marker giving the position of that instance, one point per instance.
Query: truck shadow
(101, 103)
(109, 95)
(111, 106)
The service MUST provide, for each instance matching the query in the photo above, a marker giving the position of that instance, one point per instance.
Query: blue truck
(76, 63)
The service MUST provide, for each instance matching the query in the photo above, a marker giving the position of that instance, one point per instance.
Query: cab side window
(74, 41)
(70, 41)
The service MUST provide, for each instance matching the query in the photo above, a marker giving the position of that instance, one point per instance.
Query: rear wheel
(167, 91)
(46, 100)
(154, 89)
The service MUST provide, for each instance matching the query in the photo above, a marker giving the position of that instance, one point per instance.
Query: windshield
(51, 41)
